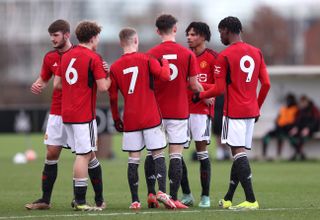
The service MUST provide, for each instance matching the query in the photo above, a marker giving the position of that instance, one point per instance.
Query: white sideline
(93, 214)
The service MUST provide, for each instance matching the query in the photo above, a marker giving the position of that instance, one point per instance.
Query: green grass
(285, 190)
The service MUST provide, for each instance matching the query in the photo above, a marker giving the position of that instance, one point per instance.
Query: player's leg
(149, 171)
(85, 140)
(239, 137)
(155, 141)
(187, 198)
(133, 143)
(200, 127)
(95, 174)
(55, 138)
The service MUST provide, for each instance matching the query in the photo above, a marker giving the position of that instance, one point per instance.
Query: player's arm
(194, 84)
(161, 72)
(57, 81)
(265, 83)
(113, 97)
(38, 86)
(100, 74)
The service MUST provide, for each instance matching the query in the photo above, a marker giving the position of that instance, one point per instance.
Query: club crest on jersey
(55, 64)
(203, 64)
(217, 69)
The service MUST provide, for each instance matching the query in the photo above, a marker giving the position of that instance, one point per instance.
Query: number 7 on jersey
(134, 70)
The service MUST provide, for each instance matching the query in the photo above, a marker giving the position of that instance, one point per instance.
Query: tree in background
(269, 31)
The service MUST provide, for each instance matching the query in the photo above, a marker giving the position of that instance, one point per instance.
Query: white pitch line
(91, 214)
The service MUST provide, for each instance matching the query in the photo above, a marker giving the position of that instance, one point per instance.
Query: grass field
(285, 190)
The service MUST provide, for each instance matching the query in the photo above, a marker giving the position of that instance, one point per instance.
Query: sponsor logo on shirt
(217, 69)
(202, 77)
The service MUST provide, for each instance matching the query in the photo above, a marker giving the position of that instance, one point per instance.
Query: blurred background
(287, 31)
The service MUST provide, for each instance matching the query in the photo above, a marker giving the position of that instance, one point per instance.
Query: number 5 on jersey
(134, 70)
(174, 68)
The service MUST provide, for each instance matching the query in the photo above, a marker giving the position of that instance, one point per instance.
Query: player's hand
(196, 97)
(209, 101)
(105, 66)
(118, 124)
(36, 88)
(164, 62)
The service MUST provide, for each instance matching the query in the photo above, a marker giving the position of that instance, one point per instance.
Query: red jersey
(50, 64)
(172, 96)
(131, 74)
(241, 66)
(79, 70)
(206, 61)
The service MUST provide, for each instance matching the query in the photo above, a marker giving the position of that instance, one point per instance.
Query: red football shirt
(172, 96)
(79, 70)
(206, 61)
(241, 66)
(50, 64)
(131, 74)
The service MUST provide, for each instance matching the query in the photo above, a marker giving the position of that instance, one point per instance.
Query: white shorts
(56, 134)
(200, 127)
(176, 131)
(82, 138)
(152, 138)
(237, 132)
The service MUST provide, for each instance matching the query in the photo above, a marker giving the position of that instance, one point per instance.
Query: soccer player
(237, 72)
(56, 137)
(80, 74)
(200, 113)
(172, 98)
(133, 74)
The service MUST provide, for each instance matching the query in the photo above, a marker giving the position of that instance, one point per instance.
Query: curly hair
(233, 24)
(200, 28)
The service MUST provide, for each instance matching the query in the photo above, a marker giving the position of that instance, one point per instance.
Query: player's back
(131, 74)
(172, 96)
(245, 62)
(80, 67)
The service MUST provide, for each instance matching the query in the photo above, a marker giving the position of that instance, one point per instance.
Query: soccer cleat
(101, 205)
(84, 207)
(135, 205)
(37, 205)
(152, 201)
(165, 199)
(225, 204)
(187, 199)
(179, 204)
(204, 202)
(246, 206)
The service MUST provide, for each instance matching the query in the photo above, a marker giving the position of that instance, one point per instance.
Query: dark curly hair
(233, 24)
(200, 28)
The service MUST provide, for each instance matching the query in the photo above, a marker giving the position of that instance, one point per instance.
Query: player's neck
(168, 37)
(199, 49)
(235, 39)
(89, 46)
(66, 47)
(129, 49)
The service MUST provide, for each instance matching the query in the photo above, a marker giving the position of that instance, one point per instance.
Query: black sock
(205, 176)
(80, 190)
(160, 171)
(184, 179)
(49, 176)
(149, 170)
(234, 181)
(133, 178)
(95, 174)
(244, 176)
(175, 174)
